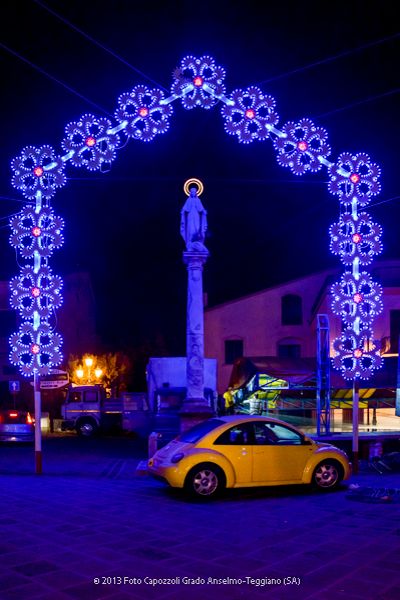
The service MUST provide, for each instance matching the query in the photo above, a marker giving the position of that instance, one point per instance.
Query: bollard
(153, 443)
(375, 450)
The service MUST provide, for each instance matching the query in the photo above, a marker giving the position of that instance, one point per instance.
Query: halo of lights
(90, 142)
(250, 115)
(143, 113)
(197, 183)
(302, 146)
(37, 169)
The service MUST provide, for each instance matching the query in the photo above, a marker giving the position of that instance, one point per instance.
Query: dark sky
(337, 63)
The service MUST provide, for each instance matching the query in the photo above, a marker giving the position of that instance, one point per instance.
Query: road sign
(55, 379)
(13, 386)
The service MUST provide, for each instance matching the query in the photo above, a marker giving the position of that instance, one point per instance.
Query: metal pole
(356, 389)
(38, 426)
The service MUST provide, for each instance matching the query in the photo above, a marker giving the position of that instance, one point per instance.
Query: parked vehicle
(247, 451)
(87, 410)
(16, 426)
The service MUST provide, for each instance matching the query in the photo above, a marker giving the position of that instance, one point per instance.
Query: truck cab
(87, 410)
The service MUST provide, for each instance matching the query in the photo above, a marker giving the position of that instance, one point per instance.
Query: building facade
(282, 321)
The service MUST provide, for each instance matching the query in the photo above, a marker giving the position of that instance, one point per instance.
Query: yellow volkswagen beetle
(247, 451)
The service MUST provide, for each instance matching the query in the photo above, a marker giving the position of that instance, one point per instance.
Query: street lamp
(89, 364)
(84, 371)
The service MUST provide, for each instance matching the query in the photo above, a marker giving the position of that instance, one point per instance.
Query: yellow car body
(247, 451)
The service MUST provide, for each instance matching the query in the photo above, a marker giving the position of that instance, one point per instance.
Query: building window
(292, 311)
(233, 350)
(289, 350)
(394, 330)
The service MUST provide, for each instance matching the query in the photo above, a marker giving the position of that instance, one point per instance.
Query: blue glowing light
(142, 114)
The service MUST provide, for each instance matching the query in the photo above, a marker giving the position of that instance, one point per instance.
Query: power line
(384, 201)
(94, 41)
(12, 199)
(329, 59)
(358, 103)
(46, 74)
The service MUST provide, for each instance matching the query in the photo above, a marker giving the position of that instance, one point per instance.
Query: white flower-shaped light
(250, 114)
(36, 291)
(39, 232)
(38, 170)
(143, 112)
(90, 143)
(199, 81)
(35, 351)
(302, 146)
(356, 238)
(357, 297)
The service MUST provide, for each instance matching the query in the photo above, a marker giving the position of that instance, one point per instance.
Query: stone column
(193, 226)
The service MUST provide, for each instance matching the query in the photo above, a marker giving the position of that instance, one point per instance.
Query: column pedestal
(195, 407)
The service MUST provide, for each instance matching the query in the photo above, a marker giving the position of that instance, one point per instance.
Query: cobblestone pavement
(96, 528)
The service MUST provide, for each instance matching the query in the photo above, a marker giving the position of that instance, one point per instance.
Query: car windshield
(194, 434)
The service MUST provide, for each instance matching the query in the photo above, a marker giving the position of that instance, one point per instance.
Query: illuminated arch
(249, 114)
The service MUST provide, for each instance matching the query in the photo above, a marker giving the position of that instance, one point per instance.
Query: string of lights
(93, 142)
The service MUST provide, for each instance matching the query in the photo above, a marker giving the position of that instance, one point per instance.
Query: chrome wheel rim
(86, 429)
(326, 475)
(205, 482)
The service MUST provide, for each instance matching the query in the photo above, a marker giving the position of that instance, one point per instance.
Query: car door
(279, 453)
(236, 444)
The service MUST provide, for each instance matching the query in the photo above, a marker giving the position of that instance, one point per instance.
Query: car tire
(327, 475)
(205, 480)
(86, 428)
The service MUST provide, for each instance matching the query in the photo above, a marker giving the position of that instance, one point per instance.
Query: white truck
(88, 411)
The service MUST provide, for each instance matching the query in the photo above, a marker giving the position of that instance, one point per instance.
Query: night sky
(337, 63)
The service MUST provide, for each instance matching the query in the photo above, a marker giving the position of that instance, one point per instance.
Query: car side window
(264, 434)
(238, 435)
(284, 435)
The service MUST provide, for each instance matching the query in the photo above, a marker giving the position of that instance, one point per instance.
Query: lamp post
(85, 375)
(89, 364)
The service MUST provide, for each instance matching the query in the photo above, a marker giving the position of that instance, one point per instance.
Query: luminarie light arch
(92, 142)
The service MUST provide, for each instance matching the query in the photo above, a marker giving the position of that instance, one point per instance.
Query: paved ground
(90, 528)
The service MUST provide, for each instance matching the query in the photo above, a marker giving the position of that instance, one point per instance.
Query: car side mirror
(307, 442)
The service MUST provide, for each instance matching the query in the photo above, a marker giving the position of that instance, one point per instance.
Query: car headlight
(177, 457)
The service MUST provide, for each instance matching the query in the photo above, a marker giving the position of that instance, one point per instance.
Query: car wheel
(327, 475)
(86, 428)
(205, 480)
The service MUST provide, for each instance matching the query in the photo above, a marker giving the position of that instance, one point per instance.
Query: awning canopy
(301, 372)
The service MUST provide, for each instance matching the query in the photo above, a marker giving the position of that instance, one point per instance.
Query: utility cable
(46, 74)
(329, 59)
(94, 41)
(358, 103)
